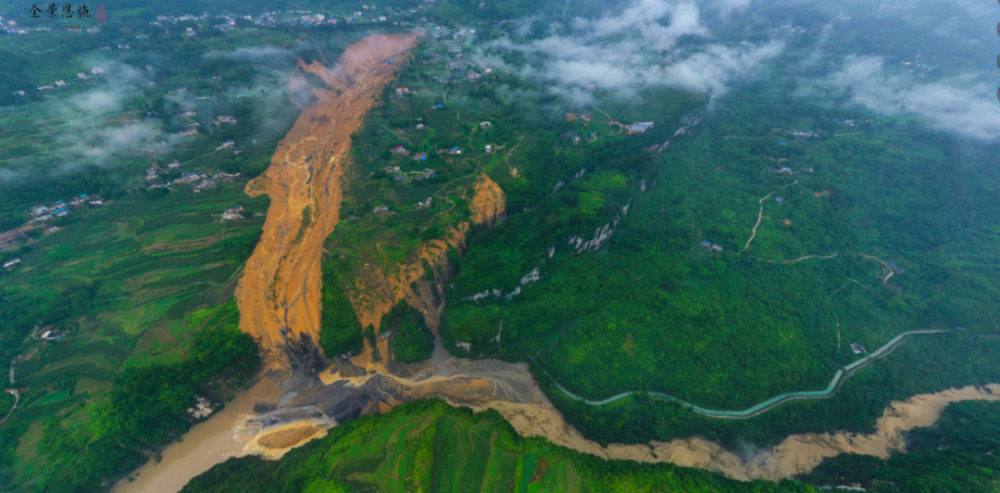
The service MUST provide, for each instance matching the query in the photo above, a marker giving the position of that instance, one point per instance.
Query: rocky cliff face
(377, 294)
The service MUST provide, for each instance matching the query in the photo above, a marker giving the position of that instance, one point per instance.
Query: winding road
(838, 378)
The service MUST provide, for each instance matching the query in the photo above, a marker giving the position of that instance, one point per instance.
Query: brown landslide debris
(279, 293)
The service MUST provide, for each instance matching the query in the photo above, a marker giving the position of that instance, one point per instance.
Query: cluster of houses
(712, 247)
(400, 175)
(199, 180)
(60, 208)
(62, 83)
(288, 17)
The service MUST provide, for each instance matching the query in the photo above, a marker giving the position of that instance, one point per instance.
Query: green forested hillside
(429, 446)
(654, 309)
(955, 455)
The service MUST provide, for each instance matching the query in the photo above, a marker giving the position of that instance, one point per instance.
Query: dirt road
(281, 284)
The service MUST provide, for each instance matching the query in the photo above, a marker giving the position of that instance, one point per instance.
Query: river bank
(208, 443)
(797, 454)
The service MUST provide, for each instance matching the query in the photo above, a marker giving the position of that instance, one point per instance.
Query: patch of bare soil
(280, 286)
(289, 438)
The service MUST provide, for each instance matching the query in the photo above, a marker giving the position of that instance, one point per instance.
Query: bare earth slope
(280, 286)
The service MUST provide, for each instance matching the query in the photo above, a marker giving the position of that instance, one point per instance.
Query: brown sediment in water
(280, 286)
(205, 445)
(797, 454)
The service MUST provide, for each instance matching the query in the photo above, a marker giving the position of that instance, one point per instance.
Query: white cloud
(959, 104)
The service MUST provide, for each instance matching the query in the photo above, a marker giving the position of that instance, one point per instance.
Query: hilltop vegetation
(428, 446)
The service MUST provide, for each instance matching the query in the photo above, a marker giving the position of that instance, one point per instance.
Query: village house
(712, 247)
(858, 348)
(391, 169)
(779, 199)
(226, 145)
(53, 335)
(226, 177)
(429, 172)
(485, 125)
(402, 90)
(202, 409)
(489, 149)
(97, 71)
(420, 126)
(60, 83)
(188, 114)
(81, 75)
(399, 150)
(151, 187)
(232, 213)
(39, 210)
(420, 156)
(174, 165)
(151, 174)
(225, 119)
(640, 127)
(61, 213)
(380, 209)
(425, 204)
